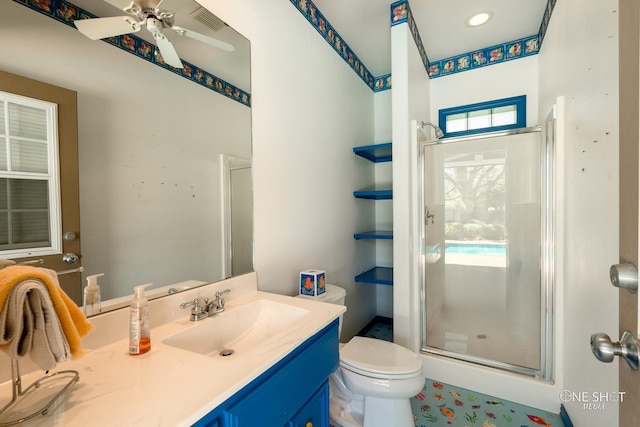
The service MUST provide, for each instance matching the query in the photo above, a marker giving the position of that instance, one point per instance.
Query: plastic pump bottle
(91, 299)
(139, 334)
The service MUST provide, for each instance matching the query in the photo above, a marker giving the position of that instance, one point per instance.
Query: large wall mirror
(156, 186)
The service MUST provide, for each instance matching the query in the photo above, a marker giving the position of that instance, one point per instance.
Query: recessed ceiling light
(479, 19)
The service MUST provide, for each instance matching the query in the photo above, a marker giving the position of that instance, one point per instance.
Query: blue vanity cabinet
(315, 412)
(292, 393)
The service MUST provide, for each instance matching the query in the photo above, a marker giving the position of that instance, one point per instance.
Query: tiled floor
(380, 327)
(448, 406)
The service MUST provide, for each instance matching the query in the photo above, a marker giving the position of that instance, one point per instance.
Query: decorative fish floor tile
(443, 405)
(380, 328)
(448, 406)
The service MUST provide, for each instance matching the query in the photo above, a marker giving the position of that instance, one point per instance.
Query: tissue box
(312, 282)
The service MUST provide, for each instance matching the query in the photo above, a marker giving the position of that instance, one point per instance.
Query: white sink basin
(239, 330)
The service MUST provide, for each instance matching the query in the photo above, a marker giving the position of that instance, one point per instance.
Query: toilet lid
(371, 357)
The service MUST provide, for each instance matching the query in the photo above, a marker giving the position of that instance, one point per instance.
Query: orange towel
(74, 323)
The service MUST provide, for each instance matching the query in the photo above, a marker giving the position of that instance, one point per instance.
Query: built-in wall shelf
(376, 153)
(374, 194)
(375, 234)
(377, 275)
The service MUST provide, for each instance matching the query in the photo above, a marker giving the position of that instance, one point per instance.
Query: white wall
(149, 142)
(503, 80)
(384, 209)
(309, 110)
(410, 101)
(579, 60)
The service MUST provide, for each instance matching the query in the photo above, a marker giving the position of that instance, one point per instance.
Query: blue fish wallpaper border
(401, 13)
(488, 56)
(66, 12)
(310, 11)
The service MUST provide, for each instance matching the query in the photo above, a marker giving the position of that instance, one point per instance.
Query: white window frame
(52, 176)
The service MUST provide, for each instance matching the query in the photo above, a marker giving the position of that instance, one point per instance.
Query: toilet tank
(333, 295)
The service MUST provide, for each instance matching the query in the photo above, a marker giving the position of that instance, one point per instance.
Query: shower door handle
(428, 216)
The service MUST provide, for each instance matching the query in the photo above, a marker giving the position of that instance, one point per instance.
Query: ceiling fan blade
(100, 28)
(167, 50)
(205, 39)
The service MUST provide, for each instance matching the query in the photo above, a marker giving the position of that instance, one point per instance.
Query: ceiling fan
(156, 15)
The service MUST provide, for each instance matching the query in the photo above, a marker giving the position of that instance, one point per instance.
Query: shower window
(500, 114)
(484, 291)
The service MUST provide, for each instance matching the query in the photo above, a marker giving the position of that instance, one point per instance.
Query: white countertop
(168, 386)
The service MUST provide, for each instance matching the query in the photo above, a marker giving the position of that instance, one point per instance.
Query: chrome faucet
(217, 306)
(199, 312)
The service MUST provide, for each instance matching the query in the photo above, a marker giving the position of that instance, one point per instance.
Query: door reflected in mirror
(149, 145)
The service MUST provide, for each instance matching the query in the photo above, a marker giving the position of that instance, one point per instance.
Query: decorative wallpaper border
(401, 13)
(382, 83)
(66, 12)
(483, 57)
(544, 25)
(331, 36)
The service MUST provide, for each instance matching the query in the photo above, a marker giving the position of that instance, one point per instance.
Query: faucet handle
(220, 293)
(195, 303)
(219, 303)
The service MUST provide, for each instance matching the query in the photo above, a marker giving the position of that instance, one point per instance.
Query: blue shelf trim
(374, 194)
(375, 234)
(375, 153)
(377, 275)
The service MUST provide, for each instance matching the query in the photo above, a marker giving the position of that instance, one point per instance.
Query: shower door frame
(547, 169)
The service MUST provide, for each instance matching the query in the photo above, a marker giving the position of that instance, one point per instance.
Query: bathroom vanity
(284, 350)
(293, 393)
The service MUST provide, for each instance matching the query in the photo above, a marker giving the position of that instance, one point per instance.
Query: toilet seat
(379, 359)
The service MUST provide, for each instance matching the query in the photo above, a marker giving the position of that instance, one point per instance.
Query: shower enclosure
(486, 250)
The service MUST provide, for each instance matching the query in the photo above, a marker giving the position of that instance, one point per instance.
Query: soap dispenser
(91, 299)
(139, 333)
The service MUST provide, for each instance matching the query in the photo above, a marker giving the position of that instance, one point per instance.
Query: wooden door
(68, 155)
(629, 20)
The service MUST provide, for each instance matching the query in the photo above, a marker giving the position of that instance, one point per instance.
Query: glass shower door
(483, 235)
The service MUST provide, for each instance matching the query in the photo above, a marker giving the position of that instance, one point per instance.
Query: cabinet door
(314, 413)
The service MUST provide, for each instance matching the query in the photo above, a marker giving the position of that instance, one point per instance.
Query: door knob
(624, 276)
(605, 350)
(70, 258)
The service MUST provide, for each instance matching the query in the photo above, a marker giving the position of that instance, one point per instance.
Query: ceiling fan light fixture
(479, 19)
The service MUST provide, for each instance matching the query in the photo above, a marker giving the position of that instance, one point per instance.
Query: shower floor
(475, 319)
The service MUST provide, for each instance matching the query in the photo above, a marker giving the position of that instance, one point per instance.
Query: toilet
(375, 379)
